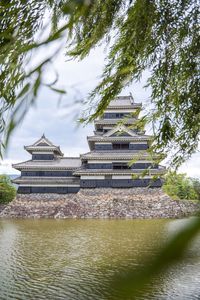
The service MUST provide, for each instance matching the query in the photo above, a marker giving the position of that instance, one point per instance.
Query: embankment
(100, 203)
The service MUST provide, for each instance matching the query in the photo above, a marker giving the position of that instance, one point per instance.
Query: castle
(118, 157)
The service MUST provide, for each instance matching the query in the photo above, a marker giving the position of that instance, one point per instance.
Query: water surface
(75, 259)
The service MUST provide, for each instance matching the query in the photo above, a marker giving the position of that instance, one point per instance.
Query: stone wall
(2, 207)
(100, 203)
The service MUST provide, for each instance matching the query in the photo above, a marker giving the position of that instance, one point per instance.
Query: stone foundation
(2, 207)
(100, 203)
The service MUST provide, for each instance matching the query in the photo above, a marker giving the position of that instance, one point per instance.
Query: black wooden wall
(42, 157)
(130, 147)
(47, 173)
(120, 183)
(42, 190)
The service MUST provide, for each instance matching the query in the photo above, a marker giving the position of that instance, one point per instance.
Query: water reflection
(75, 259)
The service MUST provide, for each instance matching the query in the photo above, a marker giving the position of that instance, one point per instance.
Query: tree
(196, 186)
(22, 25)
(179, 186)
(7, 190)
(159, 36)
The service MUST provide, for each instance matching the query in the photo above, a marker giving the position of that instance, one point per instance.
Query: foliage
(196, 186)
(160, 36)
(178, 186)
(7, 190)
(21, 74)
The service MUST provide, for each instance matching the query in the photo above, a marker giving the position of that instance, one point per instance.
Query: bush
(179, 186)
(196, 185)
(7, 190)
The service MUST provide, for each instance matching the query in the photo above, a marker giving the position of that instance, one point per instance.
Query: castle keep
(115, 143)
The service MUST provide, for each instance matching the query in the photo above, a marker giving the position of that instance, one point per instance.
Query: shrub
(179, 186)
(7, 190)
(196, 185)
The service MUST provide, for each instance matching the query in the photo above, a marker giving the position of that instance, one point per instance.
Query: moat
(75, 259)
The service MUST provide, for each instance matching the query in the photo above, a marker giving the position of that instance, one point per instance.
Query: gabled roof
(44, 144)
(119, 129)
(43, 141)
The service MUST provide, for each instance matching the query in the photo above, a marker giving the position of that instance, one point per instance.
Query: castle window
(118, 146)
(120, 166)
(108, 176)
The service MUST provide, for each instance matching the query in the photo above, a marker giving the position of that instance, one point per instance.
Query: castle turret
(43, 149)
(48, 171)
(114, 145)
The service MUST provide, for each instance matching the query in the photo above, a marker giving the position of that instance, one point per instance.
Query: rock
(2, 207)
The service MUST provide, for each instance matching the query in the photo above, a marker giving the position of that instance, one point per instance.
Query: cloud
(6, 167)
(192, 166)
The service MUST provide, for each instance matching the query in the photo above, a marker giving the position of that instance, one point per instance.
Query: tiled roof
(114, 155)
(124, 101)
(119, 138)
(47, 180)
(118, 172)
(54, 149)
(115, 121)
(42, 148)
(60, 163)
(43, 144)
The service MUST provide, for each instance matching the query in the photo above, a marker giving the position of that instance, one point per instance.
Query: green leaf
(24, 90)
(58, 90)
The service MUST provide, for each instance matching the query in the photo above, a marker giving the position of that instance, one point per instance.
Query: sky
(57, 119)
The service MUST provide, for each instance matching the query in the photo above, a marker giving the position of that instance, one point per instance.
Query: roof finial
(43, 136)
(131, 96)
